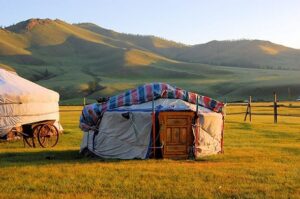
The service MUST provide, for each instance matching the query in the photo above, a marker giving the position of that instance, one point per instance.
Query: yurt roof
(15, 89)
(145, 94)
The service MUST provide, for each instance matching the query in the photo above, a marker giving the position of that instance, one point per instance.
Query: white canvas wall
(119, 137)
(209, 134)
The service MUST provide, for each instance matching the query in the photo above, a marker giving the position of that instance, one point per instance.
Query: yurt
(154, 120)
(24, 102)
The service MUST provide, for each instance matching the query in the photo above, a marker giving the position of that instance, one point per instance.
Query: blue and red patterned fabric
(145, 93)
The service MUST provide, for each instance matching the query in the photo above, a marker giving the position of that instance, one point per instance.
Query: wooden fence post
(290, 97)
(248, 111)
(275, 108)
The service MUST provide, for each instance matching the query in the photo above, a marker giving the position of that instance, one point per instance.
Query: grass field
(261, 160)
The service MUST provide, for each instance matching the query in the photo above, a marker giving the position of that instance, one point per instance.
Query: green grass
(261, 160)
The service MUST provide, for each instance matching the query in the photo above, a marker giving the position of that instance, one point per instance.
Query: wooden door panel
(169, 135)
(177, 121)
(177, 149)
(175, 136)
(176, 133)
(183, 135)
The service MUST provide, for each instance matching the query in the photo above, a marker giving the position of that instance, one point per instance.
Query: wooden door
(176, 134)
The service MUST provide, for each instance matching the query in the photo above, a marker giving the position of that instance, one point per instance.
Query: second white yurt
(24, 102)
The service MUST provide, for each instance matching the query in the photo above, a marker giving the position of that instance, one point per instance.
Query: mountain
(243, 53)
(236, 53)
(85, 60)
(155, 44)
(71, 59)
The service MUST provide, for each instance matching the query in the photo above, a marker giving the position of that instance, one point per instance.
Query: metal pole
(195, 125)
(197, 105)
(222, 137)
(153, 128)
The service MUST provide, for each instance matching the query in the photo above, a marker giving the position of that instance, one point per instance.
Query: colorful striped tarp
(142, 94)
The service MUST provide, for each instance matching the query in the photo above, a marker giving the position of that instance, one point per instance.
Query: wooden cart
(43, 132)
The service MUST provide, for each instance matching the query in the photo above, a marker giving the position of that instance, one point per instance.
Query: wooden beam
(275, 108)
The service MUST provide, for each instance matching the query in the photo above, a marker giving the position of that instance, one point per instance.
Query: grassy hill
(143, 42)
(244, 53)
(85, 60)
(236, 53)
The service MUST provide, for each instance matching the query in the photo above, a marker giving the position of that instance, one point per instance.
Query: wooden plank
(177, 121)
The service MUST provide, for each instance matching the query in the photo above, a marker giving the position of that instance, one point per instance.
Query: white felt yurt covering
(24, 102)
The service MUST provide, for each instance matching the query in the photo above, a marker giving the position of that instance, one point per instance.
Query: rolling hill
(85, 60)
(236, 53)
(243, 53)
(155, 44)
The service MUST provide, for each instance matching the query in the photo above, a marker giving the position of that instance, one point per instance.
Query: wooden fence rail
(273, 109)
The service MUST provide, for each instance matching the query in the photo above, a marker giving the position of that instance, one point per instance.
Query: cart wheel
(47, 135)
(30, 140)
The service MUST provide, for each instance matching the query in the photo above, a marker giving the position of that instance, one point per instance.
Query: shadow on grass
(36, 158)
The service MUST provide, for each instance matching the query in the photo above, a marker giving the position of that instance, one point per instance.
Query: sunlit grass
(261, 160)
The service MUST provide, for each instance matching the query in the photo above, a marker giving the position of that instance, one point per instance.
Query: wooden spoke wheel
(47, 135)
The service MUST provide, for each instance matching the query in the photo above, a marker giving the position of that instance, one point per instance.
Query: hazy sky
(186, 21)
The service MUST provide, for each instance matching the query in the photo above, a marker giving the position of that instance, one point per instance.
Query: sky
(186, 21)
